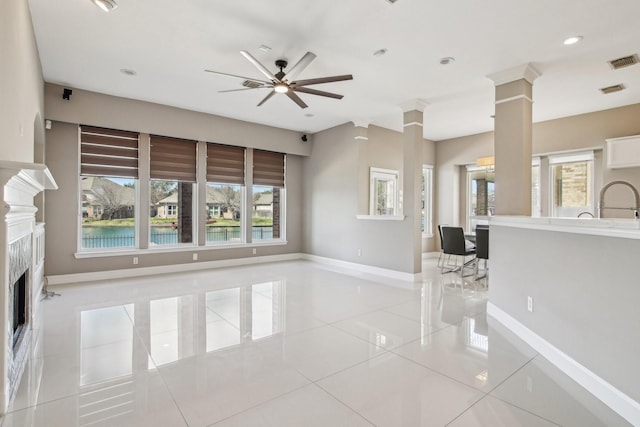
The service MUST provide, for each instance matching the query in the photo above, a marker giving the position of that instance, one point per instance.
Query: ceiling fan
(282, 82)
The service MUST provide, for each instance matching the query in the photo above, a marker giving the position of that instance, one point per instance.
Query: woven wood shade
(108, 152)
(225, 164)
(268, 168)
(173, 159)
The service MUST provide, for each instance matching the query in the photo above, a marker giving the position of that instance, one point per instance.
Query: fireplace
(19, 318)
(21, 270)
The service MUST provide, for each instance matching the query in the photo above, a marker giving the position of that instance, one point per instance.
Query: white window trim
(571, 157)
(428, 208)
(388, 174)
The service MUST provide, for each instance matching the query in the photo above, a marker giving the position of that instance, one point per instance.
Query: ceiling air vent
(616, 64)
(251, 84)
(612, 89)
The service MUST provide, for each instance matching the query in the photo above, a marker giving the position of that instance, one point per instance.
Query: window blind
(173, 159)
(225, 164)
(268, 168)
(108, 152)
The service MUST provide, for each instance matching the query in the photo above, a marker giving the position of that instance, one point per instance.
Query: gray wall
(120, 113)
(21, 84)
(585, 296)
(337, 189)
(585, 131)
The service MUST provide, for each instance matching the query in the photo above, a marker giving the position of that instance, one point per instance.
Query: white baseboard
(393, 274)
(628, 408)
(63, 279)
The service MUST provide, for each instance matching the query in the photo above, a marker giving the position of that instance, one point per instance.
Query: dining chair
(482, 252)
(454, 244)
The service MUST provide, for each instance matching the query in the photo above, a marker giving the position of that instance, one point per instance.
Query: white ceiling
(169, 43)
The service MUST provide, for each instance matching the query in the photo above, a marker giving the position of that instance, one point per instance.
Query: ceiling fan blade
(295, 98)
(266, 98)
(317, 92)
(300, 65)
(244, 88)
(251, 79)
(321, 80)
(259, 66)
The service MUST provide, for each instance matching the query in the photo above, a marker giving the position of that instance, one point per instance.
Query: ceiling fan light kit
(282, 82)
(106, 5)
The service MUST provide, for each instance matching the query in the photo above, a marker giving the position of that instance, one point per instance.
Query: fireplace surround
(21, 268)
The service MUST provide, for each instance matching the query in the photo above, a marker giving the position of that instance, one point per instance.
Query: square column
(412, 178)
(513, 136)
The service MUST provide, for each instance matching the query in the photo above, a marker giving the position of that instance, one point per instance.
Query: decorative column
(512, 143)
(410, 199)
(360, 135)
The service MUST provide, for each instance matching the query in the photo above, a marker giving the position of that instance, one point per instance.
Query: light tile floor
(288, 344)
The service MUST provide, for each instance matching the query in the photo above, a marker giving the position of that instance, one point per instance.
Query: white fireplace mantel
(35, 175)
(20, 183)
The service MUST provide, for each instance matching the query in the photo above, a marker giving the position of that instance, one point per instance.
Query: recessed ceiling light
(447, 60)
(106, 5)
(264, 48)
(380, 52)
(572, 40)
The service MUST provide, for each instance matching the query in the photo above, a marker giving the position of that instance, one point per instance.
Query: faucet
(636, 196)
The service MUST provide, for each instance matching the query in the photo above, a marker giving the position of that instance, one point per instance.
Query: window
(225, 193)
(383, 192)
(268, 196)
(108, 186)
(427, 200)
(481, 195)
(571, 184)
(536, 206)
(172, 191)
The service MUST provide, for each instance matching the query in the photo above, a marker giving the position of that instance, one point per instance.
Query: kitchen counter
(583, 280)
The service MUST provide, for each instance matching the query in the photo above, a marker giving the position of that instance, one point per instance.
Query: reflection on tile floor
(287, 344)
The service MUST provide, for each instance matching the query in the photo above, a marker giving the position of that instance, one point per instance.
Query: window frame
(388, 175)
(427, 201)
(569, 158)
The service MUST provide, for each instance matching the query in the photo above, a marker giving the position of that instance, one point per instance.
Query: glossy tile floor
(288, 344)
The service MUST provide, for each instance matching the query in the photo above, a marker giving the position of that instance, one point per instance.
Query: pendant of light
(106, 5)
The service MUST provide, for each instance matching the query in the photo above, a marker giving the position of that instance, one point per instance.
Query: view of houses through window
(108, 212)
(224, 212)
(171, 212)
(109, 200)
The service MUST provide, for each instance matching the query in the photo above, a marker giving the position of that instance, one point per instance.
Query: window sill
(381, 217)
(170, 249)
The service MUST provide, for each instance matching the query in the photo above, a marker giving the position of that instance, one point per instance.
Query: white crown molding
(417, 104)
(514, 98)
(361, 123)
(607, 393)
(524, 71)
(412, 124)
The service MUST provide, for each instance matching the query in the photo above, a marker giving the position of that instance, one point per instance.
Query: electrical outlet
(359, 252)
(530, 304)
(255, 251)
(195, 256)
(135, 260)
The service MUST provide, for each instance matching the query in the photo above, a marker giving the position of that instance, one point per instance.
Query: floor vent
(627, 61)
(612, 89)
